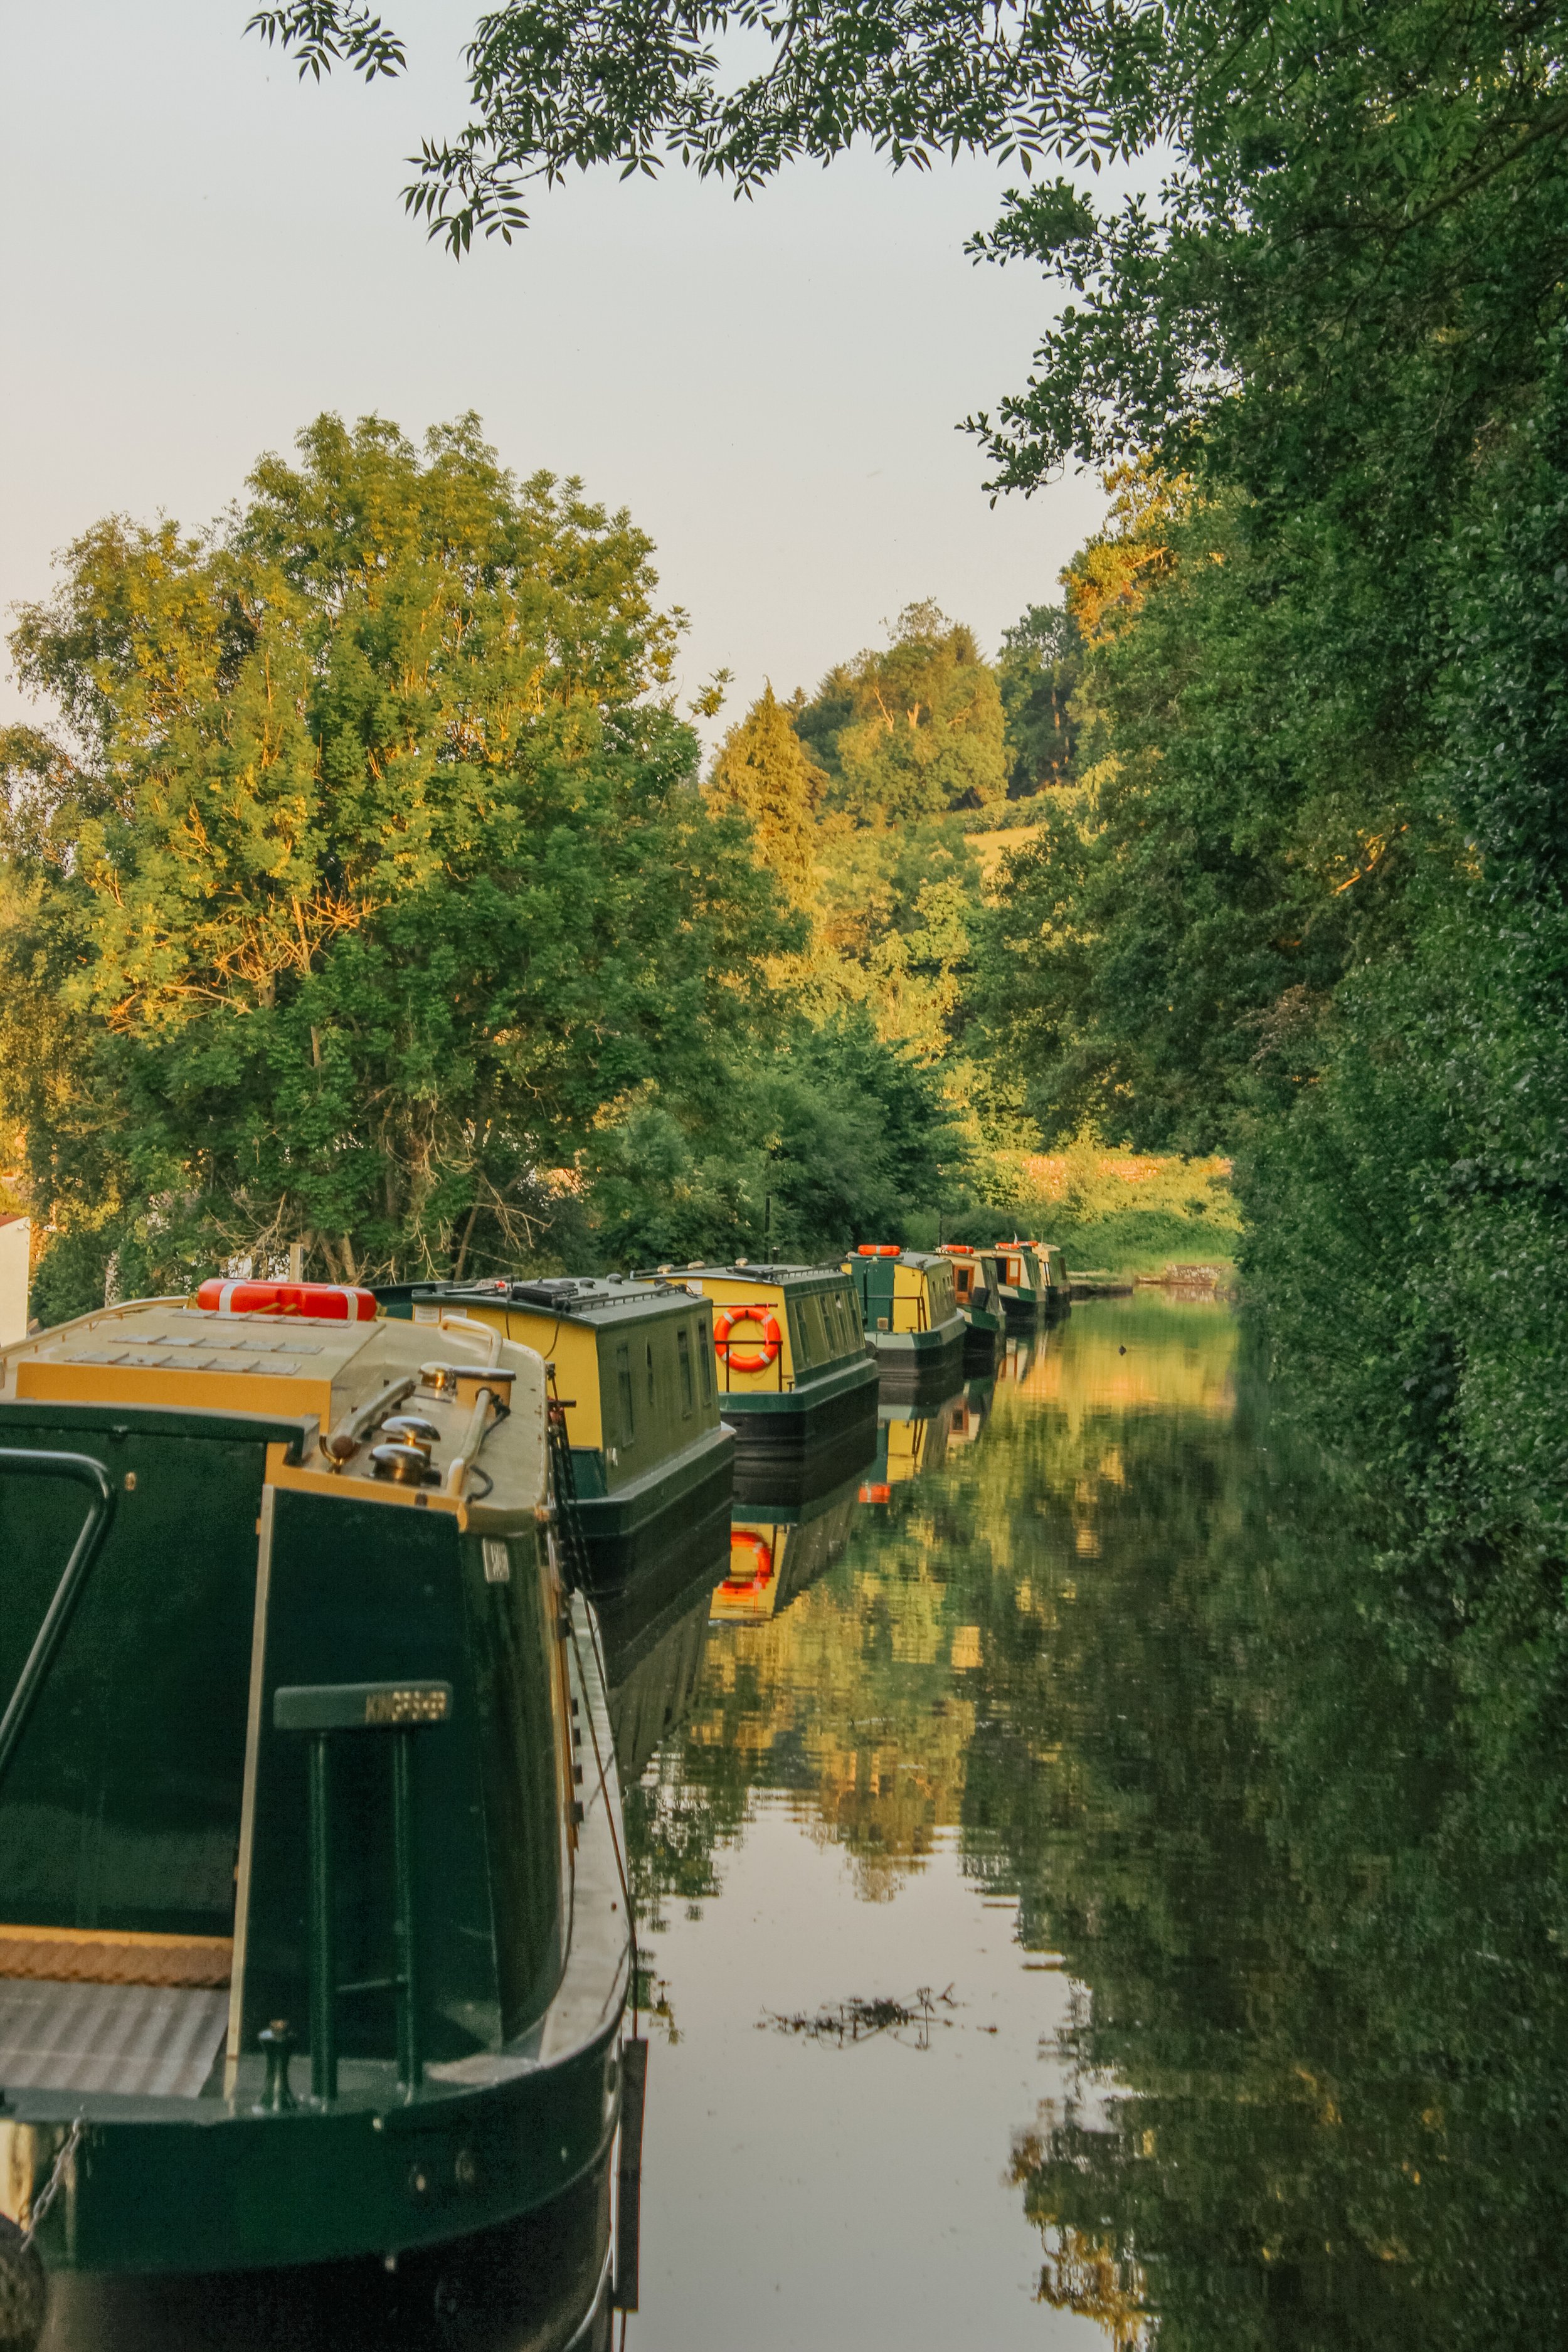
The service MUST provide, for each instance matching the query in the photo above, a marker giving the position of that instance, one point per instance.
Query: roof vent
(554, 1293)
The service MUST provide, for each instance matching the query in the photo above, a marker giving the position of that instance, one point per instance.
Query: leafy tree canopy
(370, 869)
(845, 1134)
(1359, 239)
(555, 84)
(1038, 674)
(911, 731)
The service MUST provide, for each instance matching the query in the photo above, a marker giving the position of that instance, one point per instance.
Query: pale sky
(200, 253)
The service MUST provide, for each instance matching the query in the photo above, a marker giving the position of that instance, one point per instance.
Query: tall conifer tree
(765, 773)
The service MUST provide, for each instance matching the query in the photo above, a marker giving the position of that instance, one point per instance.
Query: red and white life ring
(337, 1302)
(755, 1360)
(751, 1561)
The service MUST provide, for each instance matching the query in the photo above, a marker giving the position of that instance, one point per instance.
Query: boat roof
(774, 1274)
(589, 1298)
(307, 1374)
(920, 1258)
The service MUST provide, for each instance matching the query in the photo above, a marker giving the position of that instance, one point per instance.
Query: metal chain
(38, 2206)
(563, 1482)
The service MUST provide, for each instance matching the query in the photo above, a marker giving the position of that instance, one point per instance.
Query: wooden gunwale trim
(259, 1395)
(114, 1956)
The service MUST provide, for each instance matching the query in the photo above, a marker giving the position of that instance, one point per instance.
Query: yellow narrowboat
(791, 1360)
(912, 1320)
(653, 1463)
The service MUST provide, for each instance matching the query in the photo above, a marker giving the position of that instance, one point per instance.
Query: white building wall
(16, 1243)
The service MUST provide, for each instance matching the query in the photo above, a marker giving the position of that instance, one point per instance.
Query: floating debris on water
(856, 2019)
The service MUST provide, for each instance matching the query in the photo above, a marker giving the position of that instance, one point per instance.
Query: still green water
(1082, 1905)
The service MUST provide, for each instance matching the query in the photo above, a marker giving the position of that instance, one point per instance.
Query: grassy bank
(1133, 1212)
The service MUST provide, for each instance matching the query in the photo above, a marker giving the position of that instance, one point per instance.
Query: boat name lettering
(424, 1704)
(361, 1706)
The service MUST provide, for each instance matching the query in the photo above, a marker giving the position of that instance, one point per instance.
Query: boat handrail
(33, 1461)
(346, 1441)
(490, 1333)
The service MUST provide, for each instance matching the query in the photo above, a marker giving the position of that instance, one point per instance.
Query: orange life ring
(756, 1359)
(759, 1574)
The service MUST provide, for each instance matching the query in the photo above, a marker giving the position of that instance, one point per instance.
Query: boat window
(651, 1386)
(705, 1359)
(683, 1348)
(623, 1392)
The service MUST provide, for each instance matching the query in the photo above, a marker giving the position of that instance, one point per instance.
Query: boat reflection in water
(775, 1551)
(653, 1668)
(912, 1440)
(971, 1414)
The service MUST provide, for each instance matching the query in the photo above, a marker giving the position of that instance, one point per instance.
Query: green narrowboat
(313, 1937)
(653, 1463)
(977, 1287)
(912, 1321)
(1024, 1284)
(1055, 1283)
(790, 1356)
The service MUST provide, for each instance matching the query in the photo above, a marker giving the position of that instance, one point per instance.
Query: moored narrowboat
(790, 1359)
(1023, 1286)
(313, 1942)
(911, 1315)
(977, 1287)
(1055, 1283)
(653, 1463)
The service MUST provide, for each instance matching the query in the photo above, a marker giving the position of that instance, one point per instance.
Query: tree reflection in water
(1296, 1838)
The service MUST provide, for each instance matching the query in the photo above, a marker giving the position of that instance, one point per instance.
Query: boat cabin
(790, 1355)
(1023, 1283)
(977, 1287)
(1055, 1283)
(910, 1308)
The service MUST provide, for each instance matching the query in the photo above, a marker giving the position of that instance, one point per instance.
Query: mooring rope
(37, 2207)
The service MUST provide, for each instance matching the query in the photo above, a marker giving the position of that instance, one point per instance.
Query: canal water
(1087, 1898)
